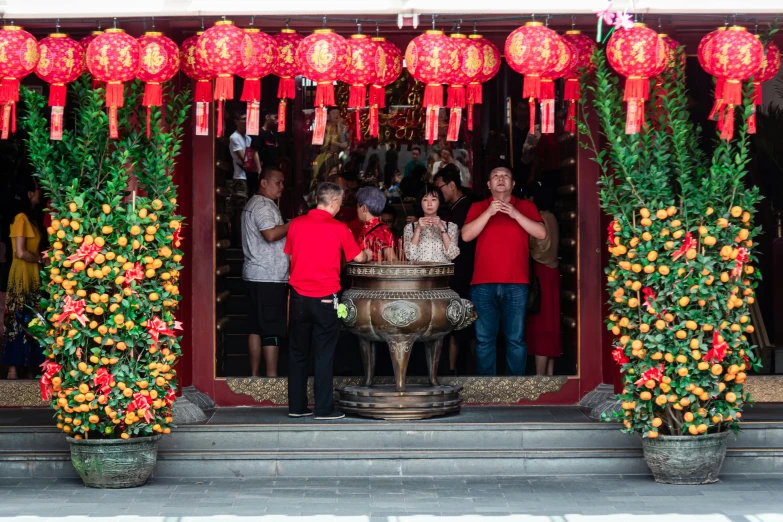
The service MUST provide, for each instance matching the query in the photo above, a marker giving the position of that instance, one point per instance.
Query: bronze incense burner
(401, 303)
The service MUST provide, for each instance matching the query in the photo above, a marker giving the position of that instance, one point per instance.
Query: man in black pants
(316, 243)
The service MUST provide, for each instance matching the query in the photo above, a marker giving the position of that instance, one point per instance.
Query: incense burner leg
(400, 351)
(368, 359)
(433, 349)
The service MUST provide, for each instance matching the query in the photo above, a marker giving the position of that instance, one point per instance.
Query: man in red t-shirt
(316, 243)
(502, 226)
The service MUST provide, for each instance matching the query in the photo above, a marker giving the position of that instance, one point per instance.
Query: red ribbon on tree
(49, 369)
(638, 54)
(113, 58)
(102, 380)
(61, 61)
(20, 52)
(618, 354)
(71, 307)
(743, 256)
(286, 67)
(159, 62)
(141, 403)
(655, 374)
(717, 353)
(136, 273)
(688, 243)
(157, 327)
(85, 253)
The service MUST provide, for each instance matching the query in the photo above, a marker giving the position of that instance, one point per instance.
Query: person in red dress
(375, 235)
(542, 331)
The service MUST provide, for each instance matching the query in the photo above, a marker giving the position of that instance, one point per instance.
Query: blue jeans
(500, 305)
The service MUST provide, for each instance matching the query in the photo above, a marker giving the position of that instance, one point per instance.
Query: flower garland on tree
(108, 326)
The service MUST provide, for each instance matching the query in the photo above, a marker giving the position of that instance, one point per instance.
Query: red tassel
(475, 93)
(570, 124)
(374, 121)
(572, 90)
(281, 115)
(286, 88)
(153, 95)
(719, 86)
(456, 94)
(548, 116)
(9, 90)
(717, 110)
(634, 88)
(632, 117)
(751, 122)
(202, 118)
(56, 124)
(253, 118)
(727, 131)
(224, 87)
(357, 96)
(324, 94)
(757, 93)
(251, 91)
(531, 103)
(431, 127)
(220, 119)
(547, 89)
(203, 92)
(378, 96)
(455, 120)
(148, 121)
(531, 86)
(433, 95)
(732, 92)
(358, 125)
(57, 95)
(470, 116)
(5, 118)
(115, 94)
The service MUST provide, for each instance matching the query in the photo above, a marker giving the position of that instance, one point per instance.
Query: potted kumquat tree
(680, 276)
(107, 321)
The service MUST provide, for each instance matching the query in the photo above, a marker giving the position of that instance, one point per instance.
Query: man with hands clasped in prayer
(502, 226)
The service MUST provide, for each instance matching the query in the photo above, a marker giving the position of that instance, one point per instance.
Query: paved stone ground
(751, 498)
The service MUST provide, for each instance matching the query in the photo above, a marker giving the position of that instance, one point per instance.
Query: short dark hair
(238, 115)
(450, 174)
(266, 172)
(430, 189)
(268, 112)
(416, 147)
(388, 209)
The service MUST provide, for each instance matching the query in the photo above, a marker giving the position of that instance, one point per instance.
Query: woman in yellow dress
(20, 350)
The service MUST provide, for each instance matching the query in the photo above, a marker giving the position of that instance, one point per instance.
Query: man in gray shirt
(266, 271)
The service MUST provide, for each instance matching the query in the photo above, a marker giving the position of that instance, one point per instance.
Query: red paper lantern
(431, 58)
(584, 47)
(323, 57)
(388, 67)
(87, 40)
(159, 62)
(470, 62)
(227, 50)
(566, 58)
(286, 67)
(263, 60)
(360, 73)
(194, 65)
(704, 52)
(61, 61)
(113, 58)
(638, 54)
(736, 56)
(672, 46)
(19, 54)
(489, 68)
(770, 66)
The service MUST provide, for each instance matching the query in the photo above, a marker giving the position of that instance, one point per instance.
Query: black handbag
(533, 305)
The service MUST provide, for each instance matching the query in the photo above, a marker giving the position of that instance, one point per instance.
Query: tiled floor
(540, 499)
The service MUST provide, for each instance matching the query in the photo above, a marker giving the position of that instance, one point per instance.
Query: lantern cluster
(159, 62)
(194, 66)
(431, 59)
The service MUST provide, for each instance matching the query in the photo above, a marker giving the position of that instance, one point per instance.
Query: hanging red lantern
(638, 54)
(227, 50)
(113, 58)
(430, 58)
(261, 64)
(770, 66)
(532, 51)
(388, 67)
(85, 43)
(286, 67)
(672, 47)
(669, 63)
(360, 73)
(20, 52)
(489, 68)
(736, 56)
(470, 62)
(584, 47)
(705, 52)
(323, 57)
(566, 59)
(61, 61)
(159, 62)
(194, 65)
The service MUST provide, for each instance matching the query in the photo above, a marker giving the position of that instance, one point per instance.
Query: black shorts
(269, 313)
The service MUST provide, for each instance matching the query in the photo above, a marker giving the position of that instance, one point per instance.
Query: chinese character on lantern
(61, 61)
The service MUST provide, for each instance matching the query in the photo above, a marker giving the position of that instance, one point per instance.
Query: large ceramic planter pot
(675, 459)
(114, 463)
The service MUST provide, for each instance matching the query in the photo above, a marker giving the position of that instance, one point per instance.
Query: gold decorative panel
(21, 393)
(765, 388)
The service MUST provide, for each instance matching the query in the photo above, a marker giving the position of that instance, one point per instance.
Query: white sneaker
(337, 415)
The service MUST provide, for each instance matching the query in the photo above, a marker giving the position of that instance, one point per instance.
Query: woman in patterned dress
(431, 239)
(20, 350)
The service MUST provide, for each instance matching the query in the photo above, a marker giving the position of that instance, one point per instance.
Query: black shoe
(335, 415)
(306, 413)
